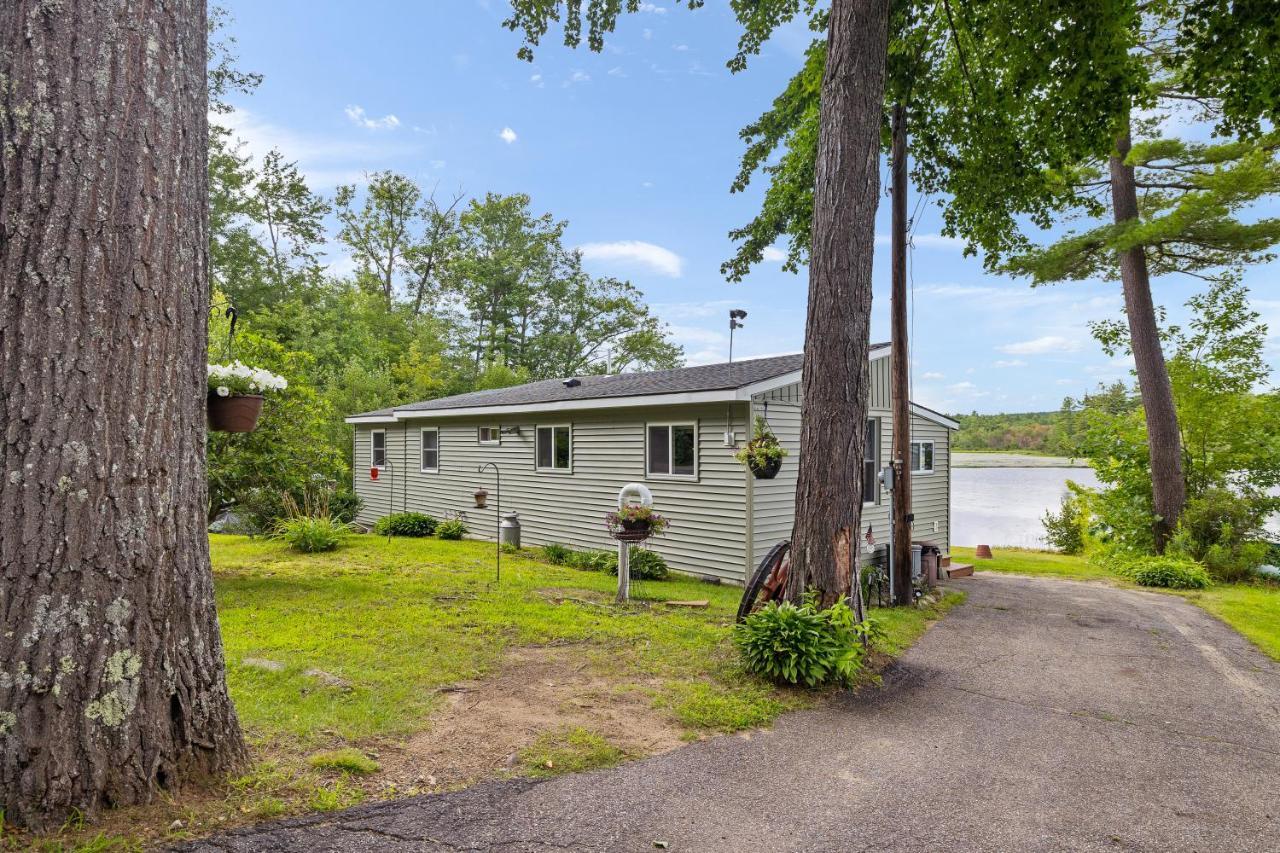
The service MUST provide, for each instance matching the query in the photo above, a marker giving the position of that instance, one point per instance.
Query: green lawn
(1252, 609)
(336, 661)
(394, 621)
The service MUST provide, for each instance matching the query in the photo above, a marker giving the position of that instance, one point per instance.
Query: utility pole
(901, 385)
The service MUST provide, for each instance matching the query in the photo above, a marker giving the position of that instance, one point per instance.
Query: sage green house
(565, 448)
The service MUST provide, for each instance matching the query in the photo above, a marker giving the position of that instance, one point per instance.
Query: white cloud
(1011, 362)
(647, 33)
(359, 118)
(933, 374)
(773, 253)
(646, 184)
(578, 76)
(1065, 382)
(327, 161)
(655, 258)
(507, 135)
(536, 79)
(653, 9)
(680, 47)
(689, 310)
(437, 164)
(616, 71)
(1041, 346)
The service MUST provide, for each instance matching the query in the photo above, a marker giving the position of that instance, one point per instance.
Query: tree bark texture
(835, 383)
(901, 368)
(1164, 442)
(112, 683)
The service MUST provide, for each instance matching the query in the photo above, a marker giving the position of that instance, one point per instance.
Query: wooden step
(959, 570)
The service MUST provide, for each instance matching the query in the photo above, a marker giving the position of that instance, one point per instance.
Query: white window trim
(492, 442)
(422, 450)
(553, 428)
(876, 474)
(932, 459)
(383, 433)
(671, 449)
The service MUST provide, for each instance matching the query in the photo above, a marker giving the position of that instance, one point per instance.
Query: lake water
(1003, 505)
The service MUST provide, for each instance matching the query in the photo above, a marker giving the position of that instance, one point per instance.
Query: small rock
(263, 663)
(431, 780)
(177, 824)
(328, 679)
(661, 845)
(512, 760)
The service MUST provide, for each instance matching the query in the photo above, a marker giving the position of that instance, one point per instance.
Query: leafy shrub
(344, 505)
(453, 528)
(556, 554)
(311, 535)
(594, 561)
(802, 645)
(406, 524)
(1223, 531)
(1167, 571)
(1065, 530)
(645, 565)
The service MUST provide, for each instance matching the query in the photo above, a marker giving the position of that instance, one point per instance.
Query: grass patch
(902, 626)
(1253, 609)
(707, 706)
(344, 760)
(1019, 561)
(568, 751)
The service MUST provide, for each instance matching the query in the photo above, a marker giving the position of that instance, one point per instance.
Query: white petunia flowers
(238, 379)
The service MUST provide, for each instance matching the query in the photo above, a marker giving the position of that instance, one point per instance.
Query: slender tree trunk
(847, 191)
(112, 684)
(1164, 442)
(900, 368)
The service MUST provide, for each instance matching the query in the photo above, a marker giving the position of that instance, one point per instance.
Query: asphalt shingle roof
(705, 377)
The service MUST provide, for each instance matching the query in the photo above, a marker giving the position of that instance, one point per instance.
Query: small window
(430, 450)
(489, 435)
(871, 463)
(554, 448)
(922, 457)
(378, 448)
(672, 450)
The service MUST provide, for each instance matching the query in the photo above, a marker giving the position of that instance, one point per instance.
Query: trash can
(915, 560)
(509, 530)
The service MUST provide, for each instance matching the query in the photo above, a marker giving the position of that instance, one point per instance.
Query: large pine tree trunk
(847, 192)
(1164, 442)
(112, 683)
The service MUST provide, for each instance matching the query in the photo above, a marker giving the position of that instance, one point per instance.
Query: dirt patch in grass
(484, 725)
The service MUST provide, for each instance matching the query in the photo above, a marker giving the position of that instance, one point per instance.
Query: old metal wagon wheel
(769, 583)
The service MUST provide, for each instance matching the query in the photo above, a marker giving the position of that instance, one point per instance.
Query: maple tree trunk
(901, 376)
(1168, 488)
(835, 381)
(112, 684)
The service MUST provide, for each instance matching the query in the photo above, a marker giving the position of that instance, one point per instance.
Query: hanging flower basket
(235, 395)
(763, 453)
(766, 470)
(635, 523)
(234, 413)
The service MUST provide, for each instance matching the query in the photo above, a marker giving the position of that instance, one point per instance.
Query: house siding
(708, 514)
(773, 500)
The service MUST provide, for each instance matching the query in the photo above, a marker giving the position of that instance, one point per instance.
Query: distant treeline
(1032, 432)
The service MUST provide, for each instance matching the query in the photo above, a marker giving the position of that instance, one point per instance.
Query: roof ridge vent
(572, 382)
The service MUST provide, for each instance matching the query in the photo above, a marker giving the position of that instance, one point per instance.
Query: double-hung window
(554, 450)
(672, 450)
(430, 450)
(922, 457)
(871, 463)
(378, 448)
(489, 434)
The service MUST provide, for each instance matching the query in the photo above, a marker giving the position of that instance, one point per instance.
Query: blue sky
(636, 147)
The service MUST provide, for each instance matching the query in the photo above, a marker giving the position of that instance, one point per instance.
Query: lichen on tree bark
(112, 683)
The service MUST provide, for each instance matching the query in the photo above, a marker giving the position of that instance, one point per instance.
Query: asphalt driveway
(1041, 715)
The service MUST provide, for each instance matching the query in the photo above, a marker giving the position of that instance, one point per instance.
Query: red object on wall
(373, 473)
